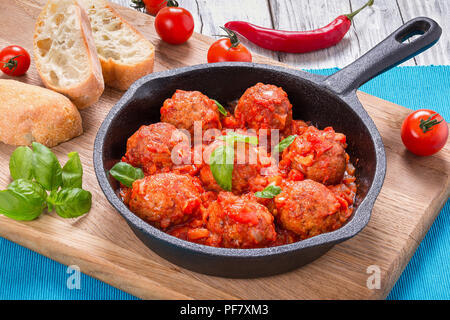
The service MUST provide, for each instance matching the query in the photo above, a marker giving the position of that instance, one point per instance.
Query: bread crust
(30, 113)
(89, 91)
(121, 76)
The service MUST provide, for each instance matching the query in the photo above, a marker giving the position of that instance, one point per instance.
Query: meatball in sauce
(187, 107)
(264, 106)
(240, 222)
(150, 148)
(165, 199)
(318, 154)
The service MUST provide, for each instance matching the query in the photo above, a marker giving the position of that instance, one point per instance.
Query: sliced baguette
(65, 53)
(34, 114)
(124, 53)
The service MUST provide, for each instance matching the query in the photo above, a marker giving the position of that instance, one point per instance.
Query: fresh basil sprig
(71, 203)
(46, 168)
(21, 163)
(221, 161)
(269, 192)
(233, 137)
(222, 110)
(286, 142)
(37, 170)
(23, 200)
(72, 172)
(221, 164)
(125, 173)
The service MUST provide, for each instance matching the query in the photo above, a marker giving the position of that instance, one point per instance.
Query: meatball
(165, 199)
(318, 154)
(252, 168)
(264, 106)
(150, 148)
(308, 208)
(240, 222)
(328, 168)
(186, 107)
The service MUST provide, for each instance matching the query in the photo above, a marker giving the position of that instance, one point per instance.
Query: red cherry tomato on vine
(14, 60)
(228, 49)
(153, 6)
(173, 24)
(424, 132)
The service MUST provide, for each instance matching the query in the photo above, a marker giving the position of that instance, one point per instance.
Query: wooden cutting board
(103, 246)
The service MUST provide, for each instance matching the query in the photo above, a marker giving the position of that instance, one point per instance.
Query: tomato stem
(172, 3)
(354, 13)
(11, 64)
(138, 5)
(230, 35)
(427, 125)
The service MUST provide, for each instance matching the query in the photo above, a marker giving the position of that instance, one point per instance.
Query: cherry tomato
(228, 49)
(173, 24)
(14, 60)
(153, 6)
(424, 132)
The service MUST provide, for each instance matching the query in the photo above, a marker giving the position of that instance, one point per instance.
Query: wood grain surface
(369, 27)
(103, 246)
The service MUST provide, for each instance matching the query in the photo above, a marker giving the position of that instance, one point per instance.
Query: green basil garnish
(286, 142)
(269, 192)
(233, 137)
(21, 163)
(72, 172)
(71, 203)
(222, 110)
(46, 168)
(27, 187)
(23, 200)
(126, 173)
(221, 163)
(34, 172)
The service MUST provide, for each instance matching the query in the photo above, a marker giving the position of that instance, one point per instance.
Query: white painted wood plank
(125, 3)
(438, 10)
(369, 27)
(215, 13)
(308, 15)
(210, 14)
(384, 18)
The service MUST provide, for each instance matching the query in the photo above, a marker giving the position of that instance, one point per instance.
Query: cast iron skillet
(325, 101)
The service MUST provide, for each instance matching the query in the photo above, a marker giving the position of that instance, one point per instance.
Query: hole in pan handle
(392, 51)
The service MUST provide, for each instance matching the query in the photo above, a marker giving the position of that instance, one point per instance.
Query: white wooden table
(369, 27)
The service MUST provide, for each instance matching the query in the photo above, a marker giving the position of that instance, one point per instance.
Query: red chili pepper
(296, 41)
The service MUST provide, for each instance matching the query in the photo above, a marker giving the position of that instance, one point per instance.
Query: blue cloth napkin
(25, 274)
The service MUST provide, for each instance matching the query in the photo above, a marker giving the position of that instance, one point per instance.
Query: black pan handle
(387, 54)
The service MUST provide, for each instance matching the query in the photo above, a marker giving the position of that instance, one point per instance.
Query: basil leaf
(269, 192)
(21, 163)
(221, 108)
(46, 168)
(233, 137)
(286, 142)
(30, 188)
(126, 173)
(72, 172)
(72, 203)
(221, 163)
(23, 200)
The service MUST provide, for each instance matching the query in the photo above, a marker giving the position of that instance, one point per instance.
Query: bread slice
(124, 53)
(65, 53)
(30, 113)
